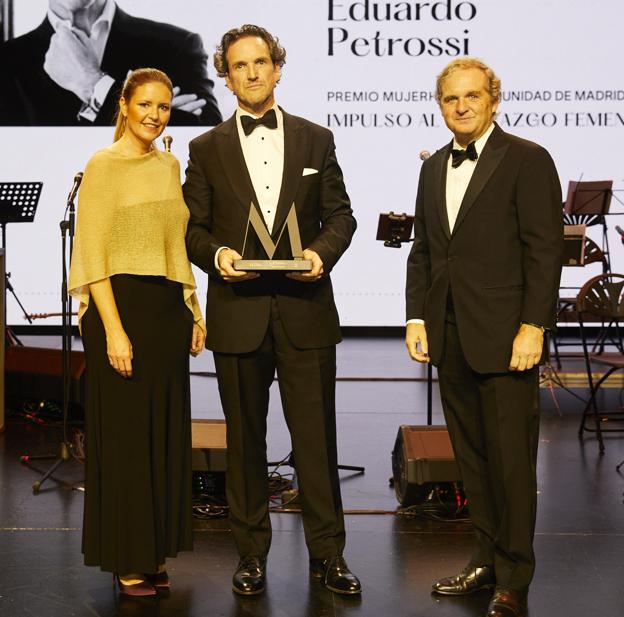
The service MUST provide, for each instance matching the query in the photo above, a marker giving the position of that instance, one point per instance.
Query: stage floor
(579, 541)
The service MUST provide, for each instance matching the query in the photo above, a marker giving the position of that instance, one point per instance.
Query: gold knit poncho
(131, 220)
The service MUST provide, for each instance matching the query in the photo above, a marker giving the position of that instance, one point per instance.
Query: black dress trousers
(493, 422)
(307, 388)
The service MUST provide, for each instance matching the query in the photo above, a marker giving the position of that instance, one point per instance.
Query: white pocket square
(308, 171)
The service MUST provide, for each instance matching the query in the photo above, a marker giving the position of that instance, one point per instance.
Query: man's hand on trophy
(313, 275)
(71, 62)
(227, 257)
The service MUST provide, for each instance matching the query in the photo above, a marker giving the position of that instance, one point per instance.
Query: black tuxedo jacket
(502, 263)
(219, 192)
(28, 97)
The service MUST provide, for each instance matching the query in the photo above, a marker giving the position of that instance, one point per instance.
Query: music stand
(18, 204)
(574, 255)
(587, 203)
(588, 198)
(395, 229)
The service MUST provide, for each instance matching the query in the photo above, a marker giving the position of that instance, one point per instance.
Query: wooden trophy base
(278, 265)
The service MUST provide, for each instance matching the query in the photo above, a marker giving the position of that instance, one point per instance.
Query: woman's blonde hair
(138, 77)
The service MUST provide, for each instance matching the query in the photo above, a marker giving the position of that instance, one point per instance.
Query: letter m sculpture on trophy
(297, 263)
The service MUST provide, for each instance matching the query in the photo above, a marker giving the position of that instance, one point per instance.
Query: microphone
(74, 188)
(621, 232)
(424, 155)
(167, 139)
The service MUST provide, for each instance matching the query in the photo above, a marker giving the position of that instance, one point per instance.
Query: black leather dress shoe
(470, 579)
(507, 603)
(250, 576)
(334, 573)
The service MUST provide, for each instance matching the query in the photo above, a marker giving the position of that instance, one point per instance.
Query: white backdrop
(562, 88)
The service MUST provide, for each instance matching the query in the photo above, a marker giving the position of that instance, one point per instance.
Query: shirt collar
(106, 18)
(480, 143)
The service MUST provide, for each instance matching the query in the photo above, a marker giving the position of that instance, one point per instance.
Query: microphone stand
(11, 338)
(66, 451)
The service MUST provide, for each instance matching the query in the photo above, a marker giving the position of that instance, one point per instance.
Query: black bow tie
(269, 120)
(459, 156)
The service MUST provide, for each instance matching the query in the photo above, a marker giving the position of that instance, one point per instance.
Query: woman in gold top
(139, 318)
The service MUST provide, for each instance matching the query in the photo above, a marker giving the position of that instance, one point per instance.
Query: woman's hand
(119, 350)
(118, 346)
(197, 342)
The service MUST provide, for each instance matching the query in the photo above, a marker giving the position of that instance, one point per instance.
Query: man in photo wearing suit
(262, 323)
(69, 70)
(482, 281)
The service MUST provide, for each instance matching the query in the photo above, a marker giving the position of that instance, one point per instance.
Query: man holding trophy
(256, 178)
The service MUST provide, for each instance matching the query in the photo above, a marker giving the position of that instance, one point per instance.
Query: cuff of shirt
(90, 110)
(418, 321)
(542, 328)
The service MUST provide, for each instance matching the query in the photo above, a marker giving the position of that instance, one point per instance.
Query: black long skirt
(138, 469)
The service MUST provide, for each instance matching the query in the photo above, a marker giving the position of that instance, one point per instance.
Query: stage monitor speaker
(209, 445)
(35, 373)
(208, 458)
(422, 456)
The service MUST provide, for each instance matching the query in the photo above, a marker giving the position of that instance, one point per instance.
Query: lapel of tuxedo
(489, 159)
(439, 172)
(233, 164)
(295, 150)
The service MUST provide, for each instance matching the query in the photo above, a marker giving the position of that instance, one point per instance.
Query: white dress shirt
(458, 178)
(457, 181)
(263, 151)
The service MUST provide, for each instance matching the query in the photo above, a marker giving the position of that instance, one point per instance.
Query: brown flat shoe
(142, 589)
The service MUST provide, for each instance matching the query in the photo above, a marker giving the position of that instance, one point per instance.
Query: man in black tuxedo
(482, 281)
(70, 69)
(258, 324)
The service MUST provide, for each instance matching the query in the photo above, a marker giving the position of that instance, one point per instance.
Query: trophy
(296, 264)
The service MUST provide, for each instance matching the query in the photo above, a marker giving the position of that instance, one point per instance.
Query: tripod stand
(12, 338)
(289, 460)
(66, 450)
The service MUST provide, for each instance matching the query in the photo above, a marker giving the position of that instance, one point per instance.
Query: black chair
(600, 300)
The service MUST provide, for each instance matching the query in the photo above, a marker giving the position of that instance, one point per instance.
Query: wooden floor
(579, 542)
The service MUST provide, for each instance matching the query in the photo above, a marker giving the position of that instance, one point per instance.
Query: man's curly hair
(278, 53)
